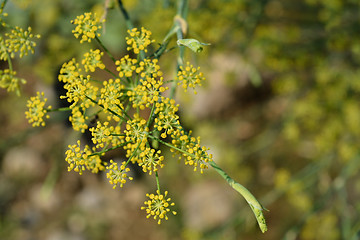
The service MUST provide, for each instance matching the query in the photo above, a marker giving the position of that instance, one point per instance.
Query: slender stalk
(171, 146)
(157, 181)
(151, 116)
(102, 106)
(105, 49)
(182, 8)
(9, 61)
(166, 41)
(128, 22)
(133, 154)
(255, 205)
(63, 109)
(113, 74)
(3, 5)
(109, 149)
(182, 12)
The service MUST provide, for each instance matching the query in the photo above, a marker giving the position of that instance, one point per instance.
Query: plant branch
(255, 205)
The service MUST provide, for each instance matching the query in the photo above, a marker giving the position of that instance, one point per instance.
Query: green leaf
(193, 44)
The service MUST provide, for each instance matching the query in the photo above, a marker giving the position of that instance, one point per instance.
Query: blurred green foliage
(291, 133)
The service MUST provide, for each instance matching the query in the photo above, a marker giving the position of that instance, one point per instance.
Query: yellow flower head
(166, 119)
(193, 153)
(158, 206)
(2, 16)
(136, 131)
(147, 93)
(117, 174)
(138, 40)
(76, 89)
(9, 81)
(111, 94)
(69, 71)
(20, 40)
(189, 76)
(4, 55)
(150, 68)
(87, 27)
(36, 111)
(105, 135)
(81, 159)
(92, 60)
(151, 160)
(78, 119)
(126, 66)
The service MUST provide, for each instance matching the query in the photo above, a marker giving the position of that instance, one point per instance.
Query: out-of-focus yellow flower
(10, 82)
(36, 110)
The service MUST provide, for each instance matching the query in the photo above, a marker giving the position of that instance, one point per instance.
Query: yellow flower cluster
(167, 119)
(87, 27)
(140, 85)
(150, 68)
(189, 76)
(36, 110)
(138, 40)
(126, 66)
(151, 160)
(92, 60)
(69, 71)
(136, 135)
(190, 149)
(105, 134)
(158, 206)
(20, 40)
(76, 89)
(110, 96)
(10, 82)
(133, 98)
(78, 119)
(4, 55)
(2, 16)
(118, 175)
(79, 159)
(80, 93)
(16, 40)
(146, 93)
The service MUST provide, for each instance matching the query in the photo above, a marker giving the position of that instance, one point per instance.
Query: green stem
(63, 109)
(182, 12)
(102, 106)
(171, 146)
(9, 61)
(157, 181)
(133, 154)
(151, 116)
(255, 205)
(128, 22)
(166, 41)
(3, 5)
(105, 49)
(182, 8)
(113, 74)
(125, 113)
(108, 149)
